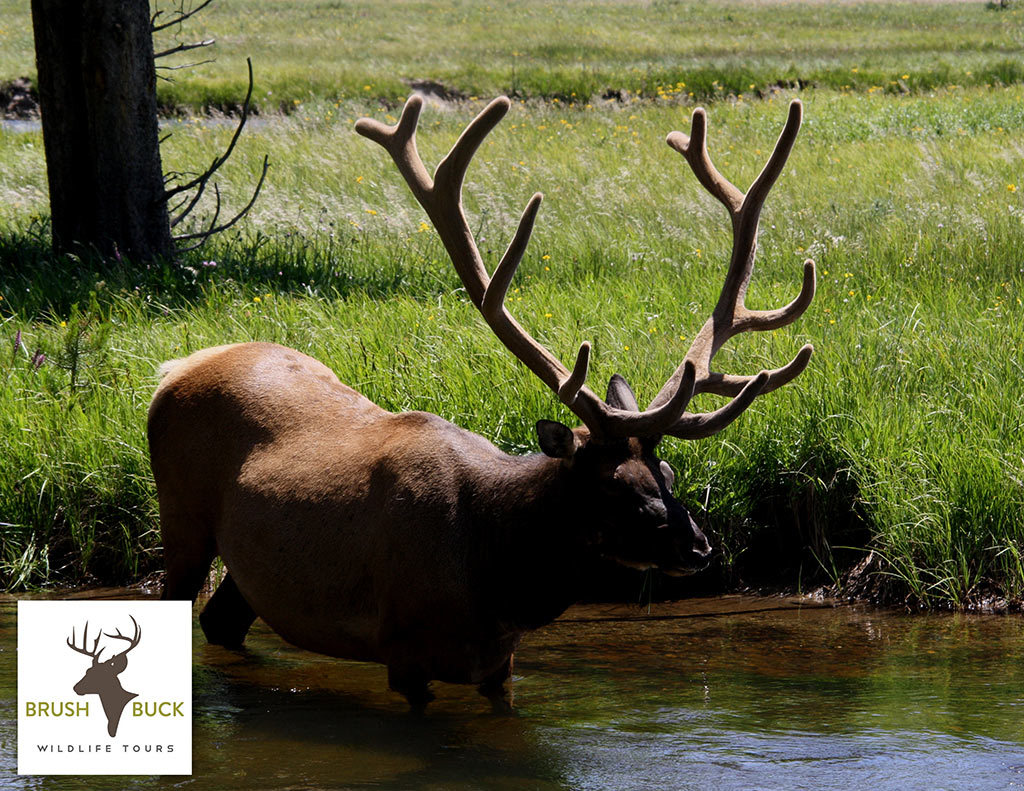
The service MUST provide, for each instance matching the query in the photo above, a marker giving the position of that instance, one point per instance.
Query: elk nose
(701, 547)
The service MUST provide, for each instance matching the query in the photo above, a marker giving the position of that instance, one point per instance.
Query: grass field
(335, 49)
(903, 436)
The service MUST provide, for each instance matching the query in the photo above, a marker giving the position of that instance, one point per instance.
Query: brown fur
(395, 538)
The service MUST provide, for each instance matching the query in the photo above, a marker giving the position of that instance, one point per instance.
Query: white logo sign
(104, 687)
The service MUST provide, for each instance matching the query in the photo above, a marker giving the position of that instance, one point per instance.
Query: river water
(732, 693)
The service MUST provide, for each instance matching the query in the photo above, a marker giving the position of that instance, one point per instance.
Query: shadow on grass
(36, 283)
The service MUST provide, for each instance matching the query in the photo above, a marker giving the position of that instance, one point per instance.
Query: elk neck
(532, 527)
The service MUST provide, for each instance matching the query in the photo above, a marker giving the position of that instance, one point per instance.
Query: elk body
(402, 538)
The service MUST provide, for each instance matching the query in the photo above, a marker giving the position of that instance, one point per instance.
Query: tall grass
(902, 437)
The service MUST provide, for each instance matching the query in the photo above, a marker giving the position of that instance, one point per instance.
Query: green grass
(903, 436)
(312, 49)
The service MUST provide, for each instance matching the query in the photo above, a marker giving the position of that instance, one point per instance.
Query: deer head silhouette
(101, 678)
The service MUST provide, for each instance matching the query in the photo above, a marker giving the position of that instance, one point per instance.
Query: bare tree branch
(191, 203)
(181, 17)
(191, 65)
(184, 48)
(202, 178)
(202, 236)
(173, 209)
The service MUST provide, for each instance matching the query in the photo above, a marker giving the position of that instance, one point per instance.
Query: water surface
(726, 694)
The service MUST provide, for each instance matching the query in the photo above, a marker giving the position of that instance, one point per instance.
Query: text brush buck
(402, 538)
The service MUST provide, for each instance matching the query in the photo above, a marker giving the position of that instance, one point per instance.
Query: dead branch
(190, 65)
(203, 178)
(185, 48)
(203, 236)
(182, 15)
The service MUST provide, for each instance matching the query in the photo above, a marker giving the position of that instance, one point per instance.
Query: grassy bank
(902, 437)
(906, 186)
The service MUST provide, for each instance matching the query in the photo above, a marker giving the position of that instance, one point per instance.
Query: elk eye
(668, 475)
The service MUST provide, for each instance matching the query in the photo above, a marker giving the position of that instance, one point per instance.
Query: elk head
(101, 677)
(625, 490)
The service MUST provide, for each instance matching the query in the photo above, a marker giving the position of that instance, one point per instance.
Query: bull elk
(402, 538)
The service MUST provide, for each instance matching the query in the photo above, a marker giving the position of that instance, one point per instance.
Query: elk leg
(227, 616)
(187, 557)
(413, 685)
(493, 688)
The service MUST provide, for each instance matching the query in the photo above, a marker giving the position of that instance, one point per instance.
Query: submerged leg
(227, 616)
(413, 685)
(493, 688)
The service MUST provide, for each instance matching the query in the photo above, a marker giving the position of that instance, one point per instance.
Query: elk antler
(441, 197)
(132, 641)
(96, 650)
(731, 316)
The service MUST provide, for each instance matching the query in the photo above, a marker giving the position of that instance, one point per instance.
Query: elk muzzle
(690, 548)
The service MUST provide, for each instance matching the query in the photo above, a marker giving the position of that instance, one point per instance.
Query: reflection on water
(729, 693)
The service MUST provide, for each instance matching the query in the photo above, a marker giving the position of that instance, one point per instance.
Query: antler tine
(493, 300)
(705, 424)
(746, 319)
(745, 222)
(570, 388)
(451, 171)
(655, 421)
(133, 641)
(400, 141)
(773, 167)
(694, 147)
(730, 315)
(492, 306)
(730, 385)
(85, 639)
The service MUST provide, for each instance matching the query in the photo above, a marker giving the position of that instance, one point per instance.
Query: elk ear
(620, 394)
(119, 662)
(556, 439)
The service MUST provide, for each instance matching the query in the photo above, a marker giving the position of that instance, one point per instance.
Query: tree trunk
(97, 95)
